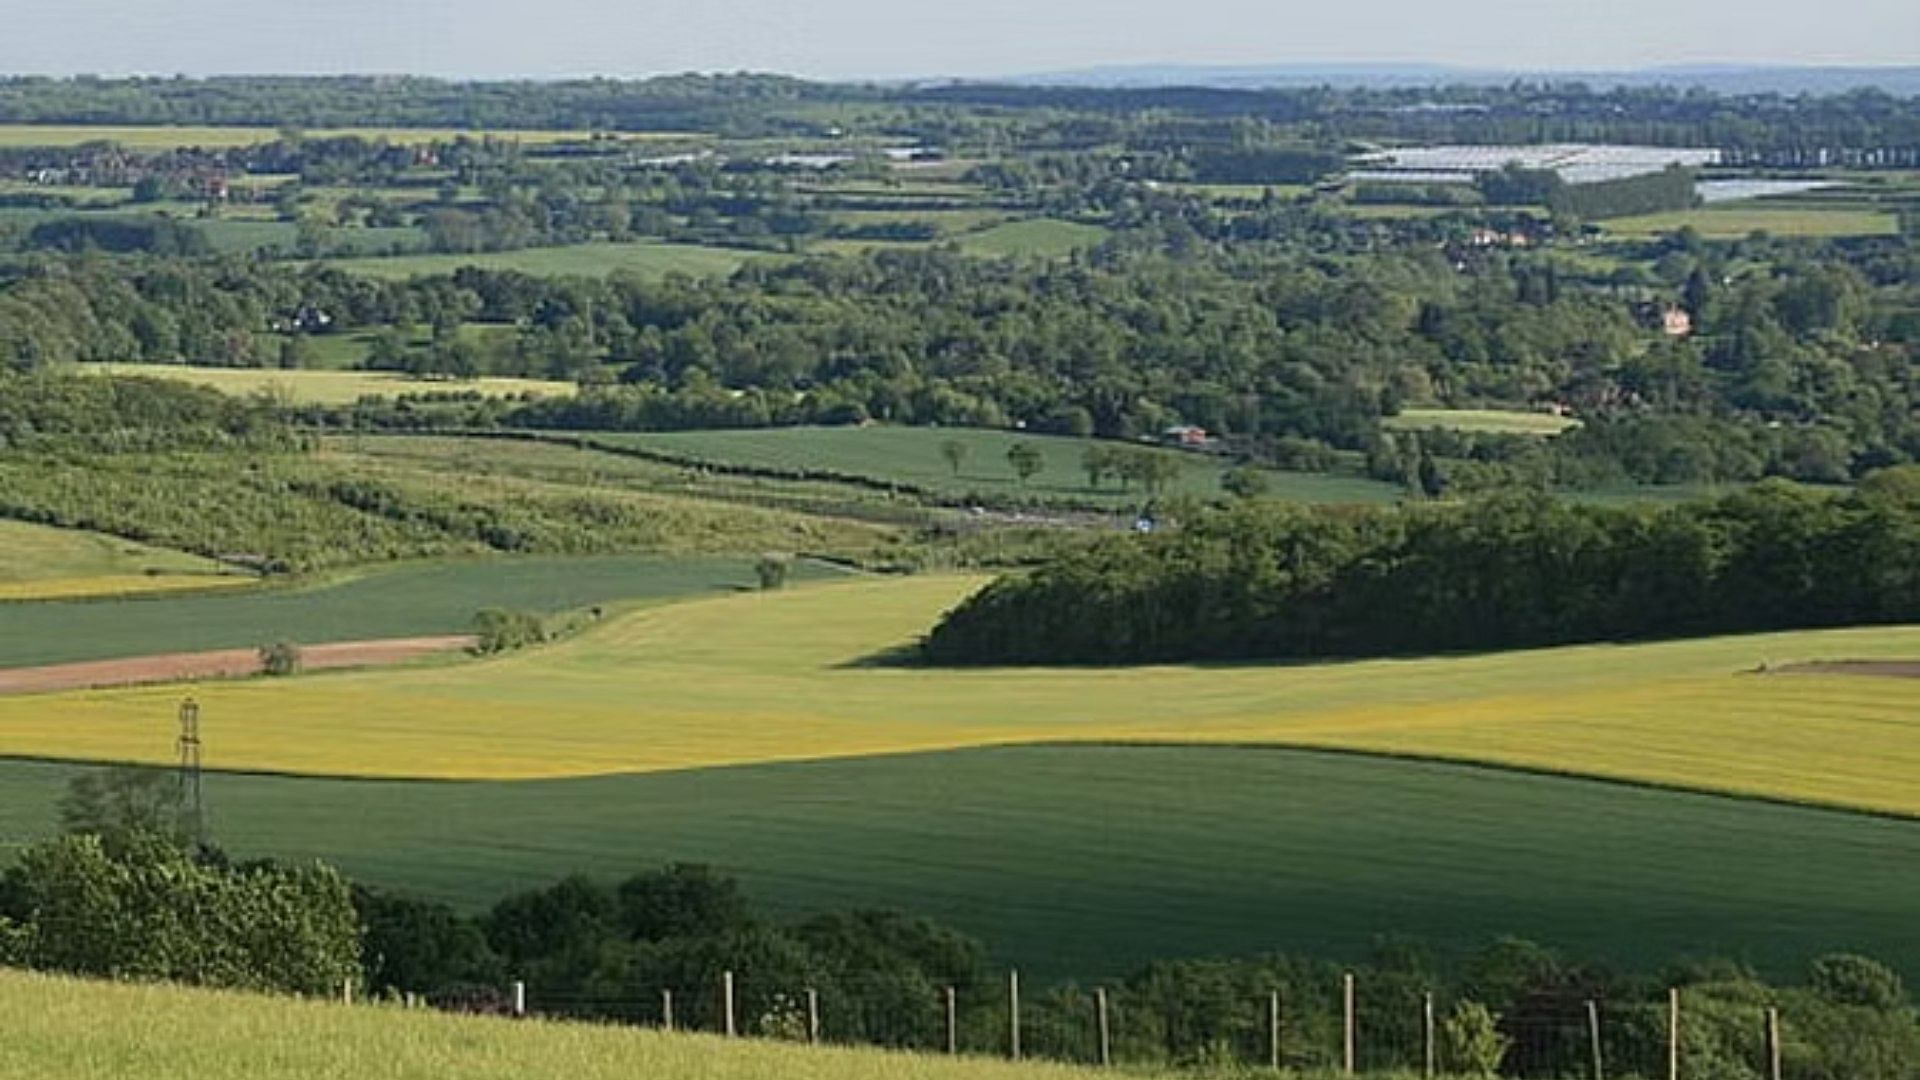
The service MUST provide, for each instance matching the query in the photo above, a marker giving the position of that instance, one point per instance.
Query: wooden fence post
(1426, 1029)
(813, 1016)
(1673, 1033)
(1104, 1027)
(1013, 1014)
(1773, 1044)
(1593, 1038)
(666, 1009)
(1349, 1055)
(519, 998)
(726, 1004)
(346, 990)
(953, 1021)
(1273, 1030)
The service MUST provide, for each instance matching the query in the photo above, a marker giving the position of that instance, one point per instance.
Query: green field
(37, 561)
(64, 1029)
(1034, 238)
(578, 260)
(1735, 220)
(172, 137)
(911, 455)
(402, 601)
(1088, 861)
(1485, 421)
(803, 675)
(322, 387)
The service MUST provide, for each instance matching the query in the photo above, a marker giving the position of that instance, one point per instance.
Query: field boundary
(187, 667)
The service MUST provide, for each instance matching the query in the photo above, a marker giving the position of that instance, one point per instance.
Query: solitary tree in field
(1098, 461)
(955, 452)
(772, 571)
(1026, 461)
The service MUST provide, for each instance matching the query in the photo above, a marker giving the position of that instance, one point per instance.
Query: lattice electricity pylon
(191, 796)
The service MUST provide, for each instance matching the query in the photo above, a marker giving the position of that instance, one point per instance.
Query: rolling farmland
(167, 137)
(912, 455)
(793, 676)
(1088, 861)
(409, 600)
(578, 260)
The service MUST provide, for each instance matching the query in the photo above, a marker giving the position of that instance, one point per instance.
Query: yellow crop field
(330, 387)
(75, 588)
(66, 1029)
(788, 676)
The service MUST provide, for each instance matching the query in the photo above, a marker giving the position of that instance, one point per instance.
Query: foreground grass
(62, 1029)
(781, 677)
(331, 387)
(408, 600)
(1088, 861)
(578, 260)
(38, 562)
(912, 455)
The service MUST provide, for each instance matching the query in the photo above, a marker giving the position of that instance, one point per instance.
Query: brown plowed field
(219, 664)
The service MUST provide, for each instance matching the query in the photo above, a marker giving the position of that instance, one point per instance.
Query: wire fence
(1348, 1027)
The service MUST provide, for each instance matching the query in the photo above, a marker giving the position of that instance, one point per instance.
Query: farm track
(218, 664)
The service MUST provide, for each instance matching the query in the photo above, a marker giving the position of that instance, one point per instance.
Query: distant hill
(1720, 78)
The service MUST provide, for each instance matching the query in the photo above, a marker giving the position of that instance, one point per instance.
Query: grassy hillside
(62, 1029)
(330, 387)
(38, 562)
(580, 260)
(1733, 221)
(912, 455)
(1087, 861)
(402, 601)
(772, 677)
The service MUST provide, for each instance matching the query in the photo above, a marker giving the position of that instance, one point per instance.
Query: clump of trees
(1259, 580)
(280, 658)
(498, 630)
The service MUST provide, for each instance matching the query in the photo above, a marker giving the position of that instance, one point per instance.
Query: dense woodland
(1271, 582)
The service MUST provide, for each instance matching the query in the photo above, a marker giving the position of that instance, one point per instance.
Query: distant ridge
(1719, 78)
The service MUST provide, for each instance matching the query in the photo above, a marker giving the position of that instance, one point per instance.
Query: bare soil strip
(217, 664)
(1894, 669)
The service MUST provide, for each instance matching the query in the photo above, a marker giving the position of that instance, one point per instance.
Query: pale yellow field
(768, 677)
(38, 562)
(329, 387)
(119, 585)
(66, 1029)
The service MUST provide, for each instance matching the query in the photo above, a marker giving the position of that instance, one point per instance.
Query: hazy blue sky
(839, 38)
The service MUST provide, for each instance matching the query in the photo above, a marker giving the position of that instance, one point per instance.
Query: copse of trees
(1264, 581)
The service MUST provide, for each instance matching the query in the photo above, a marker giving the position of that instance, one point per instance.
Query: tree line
(1263, 581)
(127, 893)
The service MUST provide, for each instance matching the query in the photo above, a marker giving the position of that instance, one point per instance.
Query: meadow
(66, 1029)
(599, 259)
(912, 455)
(328, 387)
(804, 674)
(37, 562)
(407, 600)
(1034, 238)
(1090, 861)
(1480, 421)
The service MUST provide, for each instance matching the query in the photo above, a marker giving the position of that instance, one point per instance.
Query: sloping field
(1488, 421)
(38, 562)
(912, 455)
(64, 1029)
(1087, 861)
(411, 600)
(331, 387)
(782, 677)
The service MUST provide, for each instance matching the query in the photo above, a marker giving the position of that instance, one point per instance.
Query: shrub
(500, 630)
(1472, 1040)
(772, 570)
(280, 658)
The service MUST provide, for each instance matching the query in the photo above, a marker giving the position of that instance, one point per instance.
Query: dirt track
(1896, 669)
(222, 663)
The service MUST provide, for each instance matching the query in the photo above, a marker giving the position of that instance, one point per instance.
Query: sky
(931, 38)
